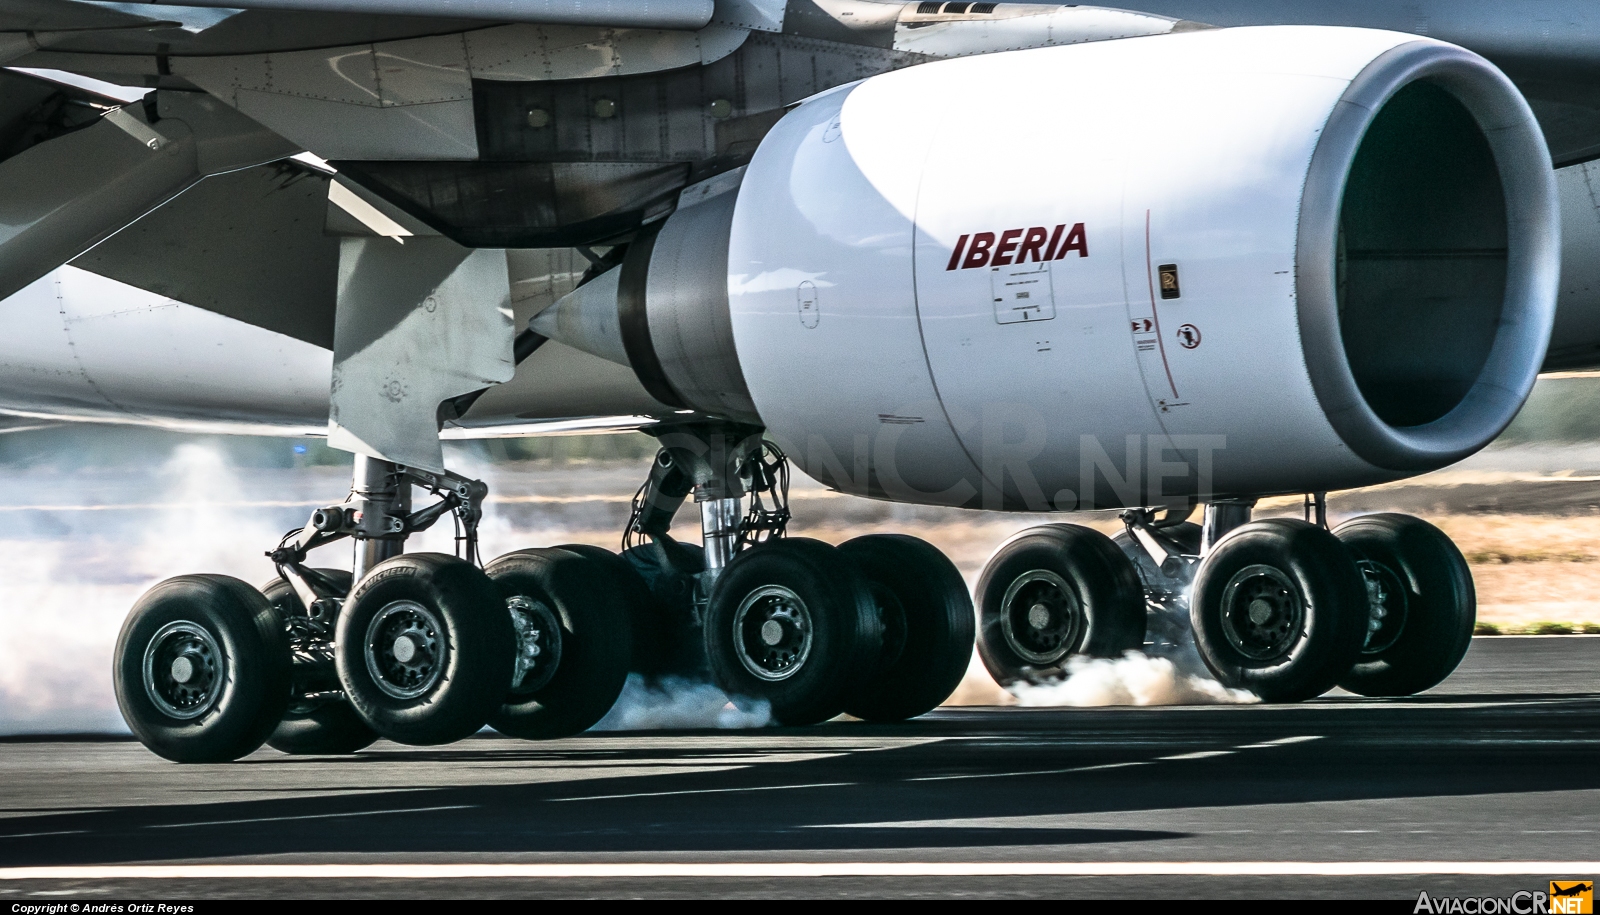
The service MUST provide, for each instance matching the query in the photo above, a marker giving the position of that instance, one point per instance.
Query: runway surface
(1496, 773)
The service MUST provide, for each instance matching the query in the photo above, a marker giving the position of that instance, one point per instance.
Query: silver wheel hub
(1388, 606)
(1041, 617)
(1260, 611)
(405, 649)
(184, 670)
(772, 632)
(1263, 613)
(538, 643)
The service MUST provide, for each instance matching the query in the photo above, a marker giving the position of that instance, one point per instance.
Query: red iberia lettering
(955, 256)
(1002, 251)
(978, 254)
(1055, 239)
(1018, 246)
(1031, 243)
(1077, 241)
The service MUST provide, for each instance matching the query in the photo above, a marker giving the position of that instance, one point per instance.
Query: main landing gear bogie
(880, 627)
(1285, 608)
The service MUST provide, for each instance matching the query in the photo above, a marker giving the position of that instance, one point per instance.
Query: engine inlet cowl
(1238, 261)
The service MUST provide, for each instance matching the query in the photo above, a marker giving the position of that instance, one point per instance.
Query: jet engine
(1226, 262)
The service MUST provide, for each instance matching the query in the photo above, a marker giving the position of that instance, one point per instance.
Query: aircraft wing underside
(556, 132)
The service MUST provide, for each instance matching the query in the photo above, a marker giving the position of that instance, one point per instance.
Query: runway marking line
(800, 869)
(615, 797)
(1202, 754)
(308, 816)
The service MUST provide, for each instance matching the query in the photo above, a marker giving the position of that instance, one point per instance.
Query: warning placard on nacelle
(1022, 292)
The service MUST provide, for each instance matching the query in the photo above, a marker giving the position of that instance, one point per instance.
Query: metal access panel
(1022, 293)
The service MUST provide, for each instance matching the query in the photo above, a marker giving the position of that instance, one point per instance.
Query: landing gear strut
(421, 646)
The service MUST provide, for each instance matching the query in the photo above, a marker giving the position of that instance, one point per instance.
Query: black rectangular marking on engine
(1169, 280)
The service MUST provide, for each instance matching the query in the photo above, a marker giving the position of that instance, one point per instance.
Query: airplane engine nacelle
(1228, 262)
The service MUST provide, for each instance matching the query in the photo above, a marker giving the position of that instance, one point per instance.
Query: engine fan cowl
(1240, 261)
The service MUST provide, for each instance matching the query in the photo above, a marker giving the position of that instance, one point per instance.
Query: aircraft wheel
(1279, 608)
(424, 648)
(574, 639)
(647, 621)
(1056, 591)
(202, 669)
(1428, 601)
(322, 723)
(928, 625)
(792, 622)
(670, 571)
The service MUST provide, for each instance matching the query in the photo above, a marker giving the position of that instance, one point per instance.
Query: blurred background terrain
(90, 516)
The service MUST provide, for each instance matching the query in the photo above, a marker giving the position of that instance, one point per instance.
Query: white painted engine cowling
(1241, 261)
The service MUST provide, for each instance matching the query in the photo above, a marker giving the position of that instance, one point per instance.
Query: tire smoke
(1168, 672)
(1133, 679)
(73, 568)
(674, 702)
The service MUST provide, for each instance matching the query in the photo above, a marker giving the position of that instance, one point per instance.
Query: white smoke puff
(1133, 679)
(673, 702)
(496, 534)
(71, 577)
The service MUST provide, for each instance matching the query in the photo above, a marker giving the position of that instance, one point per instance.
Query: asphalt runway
(1495, 775)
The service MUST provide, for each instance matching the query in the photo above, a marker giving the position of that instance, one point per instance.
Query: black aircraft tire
(1052, 592)
(585, 628)
(799, 612)
(647, 622)
(928, 624)
(1278, 608)
(323, 726)
(1429, 598)
(236, 669)
(453, 675)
